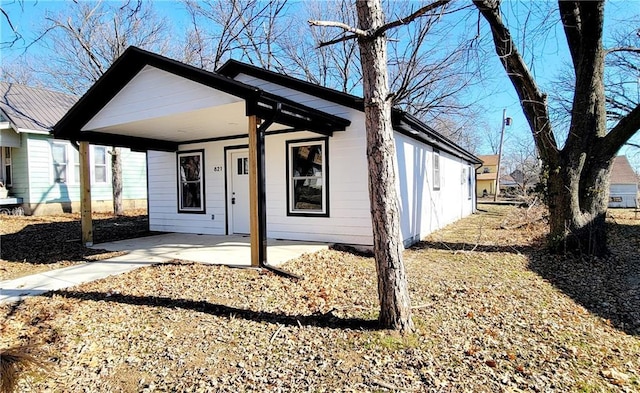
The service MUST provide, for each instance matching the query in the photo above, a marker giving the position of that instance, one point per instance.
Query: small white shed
(623, 186)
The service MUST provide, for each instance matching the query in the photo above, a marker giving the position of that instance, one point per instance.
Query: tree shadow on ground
(326, 320)
(50, 242)
(451, 246)
(608, 287)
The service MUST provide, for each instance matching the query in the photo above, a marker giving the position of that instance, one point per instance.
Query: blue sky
(494, 94)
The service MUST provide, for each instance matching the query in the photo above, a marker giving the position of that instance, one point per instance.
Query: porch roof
(149, 102)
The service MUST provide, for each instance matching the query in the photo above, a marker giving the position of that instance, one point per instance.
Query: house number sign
(217, 168)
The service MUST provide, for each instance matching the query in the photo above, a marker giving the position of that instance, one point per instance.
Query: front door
(238, 191)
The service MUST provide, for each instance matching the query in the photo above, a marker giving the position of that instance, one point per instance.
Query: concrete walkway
(146, 251)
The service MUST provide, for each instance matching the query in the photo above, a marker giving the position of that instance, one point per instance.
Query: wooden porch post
(257, 209)
(85, 195)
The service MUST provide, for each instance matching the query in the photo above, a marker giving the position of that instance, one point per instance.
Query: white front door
(238, 191)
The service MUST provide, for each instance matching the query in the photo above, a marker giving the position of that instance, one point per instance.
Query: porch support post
(257, 196)
(85, 197)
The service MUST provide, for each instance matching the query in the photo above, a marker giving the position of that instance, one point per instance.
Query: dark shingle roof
(33, 109)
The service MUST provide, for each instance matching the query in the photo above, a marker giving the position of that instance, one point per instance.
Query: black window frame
(179, 182)
(325, 176)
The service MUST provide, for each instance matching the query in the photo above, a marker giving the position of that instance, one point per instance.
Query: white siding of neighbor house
(43, 189)
(628, 193)
(20, 175)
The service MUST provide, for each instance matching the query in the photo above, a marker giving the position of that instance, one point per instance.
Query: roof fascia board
(416, 129)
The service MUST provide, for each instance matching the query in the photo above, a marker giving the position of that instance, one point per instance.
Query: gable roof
(489, 160)
(621, 171)
(258, 102)
(403, 122)
(30, 109)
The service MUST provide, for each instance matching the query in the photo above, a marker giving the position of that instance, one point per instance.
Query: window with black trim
(307, 177)
(191, 182)
(436, 169)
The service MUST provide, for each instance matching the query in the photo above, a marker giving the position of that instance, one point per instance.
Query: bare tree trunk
(393, 293)
(116, 181)
(578, 174)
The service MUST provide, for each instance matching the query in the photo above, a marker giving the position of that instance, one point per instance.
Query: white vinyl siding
(41, 187)
(422, 209)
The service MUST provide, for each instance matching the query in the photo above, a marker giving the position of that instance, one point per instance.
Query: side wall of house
(19, 170)
(623, 195)
(423, 207)
(45, 196)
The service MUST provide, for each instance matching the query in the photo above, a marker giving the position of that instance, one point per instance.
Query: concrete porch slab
(214, 249)
(151, 250)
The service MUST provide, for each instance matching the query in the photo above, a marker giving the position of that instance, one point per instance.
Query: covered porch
(233, 250)
(148, 102)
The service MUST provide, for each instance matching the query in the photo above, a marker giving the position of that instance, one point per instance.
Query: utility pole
(506, 121)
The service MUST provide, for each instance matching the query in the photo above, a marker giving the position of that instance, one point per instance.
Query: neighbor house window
(307, 177)
(6, 167)
(191, 182)
(100, 164)
(59, 152)
(436, 170)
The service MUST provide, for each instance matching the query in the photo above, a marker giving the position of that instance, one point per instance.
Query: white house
(623, 185)
(300, 173)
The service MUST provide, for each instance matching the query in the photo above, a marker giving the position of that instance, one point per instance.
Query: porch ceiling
(213, 122)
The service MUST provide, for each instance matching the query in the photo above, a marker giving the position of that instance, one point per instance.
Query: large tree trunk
(578, 196)
(116, 181)
(578, 174)
(395, 307)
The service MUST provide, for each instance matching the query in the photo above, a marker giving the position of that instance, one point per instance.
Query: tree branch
(337, 40)
(621, 132)
(340, 25)
(533, 101)
(403, 21)
(629, 49)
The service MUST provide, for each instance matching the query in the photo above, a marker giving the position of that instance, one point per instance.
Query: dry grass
(490, 317)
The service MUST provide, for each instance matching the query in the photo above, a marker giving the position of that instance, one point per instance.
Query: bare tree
(371, 34)
(86, 38)
(244, 29)
(522, 163)
(577, 174)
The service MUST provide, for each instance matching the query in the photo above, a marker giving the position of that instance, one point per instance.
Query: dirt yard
(493, 313)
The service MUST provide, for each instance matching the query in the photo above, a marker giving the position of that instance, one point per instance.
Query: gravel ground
(493, 313)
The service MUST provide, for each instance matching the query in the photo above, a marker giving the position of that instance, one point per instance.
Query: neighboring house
(42, 173)
(623, 184)
(310, 153)
(486, 175)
